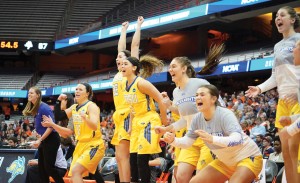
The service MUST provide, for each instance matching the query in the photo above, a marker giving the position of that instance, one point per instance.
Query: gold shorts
(252, 163)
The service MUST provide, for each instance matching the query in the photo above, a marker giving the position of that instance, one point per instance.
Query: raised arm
(135, 44)
(61, 114)
(122, 39)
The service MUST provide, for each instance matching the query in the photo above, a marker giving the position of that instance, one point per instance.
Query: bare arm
(135, 44)
(64, 132)
(147, 88)
(94, 114)
(168, 103)
(122, 39)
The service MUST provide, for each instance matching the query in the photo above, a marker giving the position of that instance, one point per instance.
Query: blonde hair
(32, 109)
(149, 65)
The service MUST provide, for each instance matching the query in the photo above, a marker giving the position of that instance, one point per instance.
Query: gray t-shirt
(223, 123)
(184, 100)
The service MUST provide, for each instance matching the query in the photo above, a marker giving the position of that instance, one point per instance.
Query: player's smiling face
(80, 93)
(176, 70)
(127, 68)
(283, 21)
(204, 100)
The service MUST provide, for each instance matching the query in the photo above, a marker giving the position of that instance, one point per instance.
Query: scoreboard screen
(35, 46)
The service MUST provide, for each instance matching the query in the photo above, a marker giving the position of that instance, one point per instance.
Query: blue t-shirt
(44, 109)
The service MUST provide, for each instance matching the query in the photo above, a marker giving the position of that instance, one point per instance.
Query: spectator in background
(271, 129)
(13, 142)
(2, 117)
(7, 112)
(267, 148)
(257, 129)
(259, 141)
(277, 154)
(244, 126)
(239, 104)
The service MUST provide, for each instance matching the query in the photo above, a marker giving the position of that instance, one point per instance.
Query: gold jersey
(81, 130)
(139, 102)
(118, 85)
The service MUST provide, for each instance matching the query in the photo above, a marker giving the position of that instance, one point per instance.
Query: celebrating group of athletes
(214, 144)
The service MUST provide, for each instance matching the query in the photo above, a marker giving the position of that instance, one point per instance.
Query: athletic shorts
(197, 155)
(252, 163)
(143, 138)
(121, 119)
(88, 154)
(285, 110)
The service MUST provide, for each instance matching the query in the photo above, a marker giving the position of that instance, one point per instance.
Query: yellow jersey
(81, 130)
(118, 86)
(139, 102)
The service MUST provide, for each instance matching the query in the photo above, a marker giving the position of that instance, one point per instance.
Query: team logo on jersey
(187, 99)
(17, 167)
(133, 90)
(140, 147)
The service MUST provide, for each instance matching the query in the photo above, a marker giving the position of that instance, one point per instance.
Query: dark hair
(291, 11)
(260, 136)
(66, 141)
(70, 99)
(185, 61)
(89, 90)
(213, 91)
(14, 139)
(147, 64)
(126, 53)
(30, 108)
(276, 138)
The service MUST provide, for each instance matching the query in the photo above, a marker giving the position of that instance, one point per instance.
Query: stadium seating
(83, 13)
(50, 80)
(148, 8)
(14, 81)
(30, 19)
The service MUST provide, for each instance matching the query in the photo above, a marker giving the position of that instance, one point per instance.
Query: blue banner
(100, 85)
(148, 23)
(156, 21)
(236, 67)
(158, 77)
(261, 64)
(220, 6)
(13, 93)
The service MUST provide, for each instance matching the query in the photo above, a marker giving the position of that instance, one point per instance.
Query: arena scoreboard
(28, 45)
